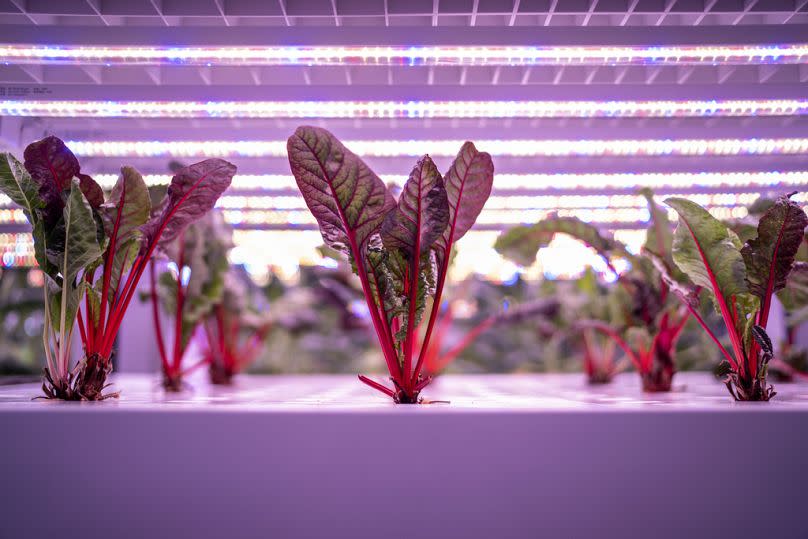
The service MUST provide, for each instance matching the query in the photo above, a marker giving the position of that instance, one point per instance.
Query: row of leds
(448, 148)
(514, 202)
(538, 182)
(406, 109)
(258, 218)
(517, 202)
(493, 217)
(406, 56)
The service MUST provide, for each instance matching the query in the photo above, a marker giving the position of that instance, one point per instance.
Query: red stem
(706, 328)
(156, 318)
(178, 348)
(606, 330)
(433, 315)
(82, 331)
(109, 262)
(737, 345)
(377, 386)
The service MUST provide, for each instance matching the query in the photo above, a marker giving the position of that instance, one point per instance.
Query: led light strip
(670, 180)
(511, 202)
(515, 202)
(405, 109)
(247, 218)
(256, 217)
(405, 56)
(448, 148)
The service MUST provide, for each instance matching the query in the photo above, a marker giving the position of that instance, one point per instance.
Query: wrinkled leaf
(386, 288)
(770, 256)
(75, 246)
(72, 251)
(346, 198)
(49, 160)
(52, 166)
(193, 192)
(422, 212)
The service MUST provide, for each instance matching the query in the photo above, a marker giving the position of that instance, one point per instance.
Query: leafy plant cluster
(93, 249)
(638, 314)
(742, 279)
(400, 249)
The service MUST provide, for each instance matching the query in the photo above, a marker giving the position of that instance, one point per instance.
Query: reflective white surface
(465, 393)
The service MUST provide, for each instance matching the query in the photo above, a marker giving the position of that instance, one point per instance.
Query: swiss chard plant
(645, 323)
(400, 249)
(591, 300)
(93, 250)
(188, 290)
(235, 331)
(742, 280)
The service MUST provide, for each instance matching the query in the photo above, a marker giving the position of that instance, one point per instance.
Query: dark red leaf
(468, 185)
(193, 192)
(422, 212)
(49, 160)
(769, 257)
(92, 191)
(52, 166)
(348, 199)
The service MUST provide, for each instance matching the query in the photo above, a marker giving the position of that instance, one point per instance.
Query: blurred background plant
(21, 318)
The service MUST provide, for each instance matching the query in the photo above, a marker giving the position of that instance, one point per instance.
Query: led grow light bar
(499, 202)
(405, 109)
(448, 148)
(763, 180)
(515, 202)
(406, 56)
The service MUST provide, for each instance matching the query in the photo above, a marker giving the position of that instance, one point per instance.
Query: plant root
(85, 383)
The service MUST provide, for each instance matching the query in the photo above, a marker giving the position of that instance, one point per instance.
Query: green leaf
(130, 199)
(17, 184)
(75, 248)
(707, 251)
(76, 243)
(386, 287)
(770, 256)
(659, 237)
(522, 243)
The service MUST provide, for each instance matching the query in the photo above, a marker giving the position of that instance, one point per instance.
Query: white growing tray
(326, 456)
